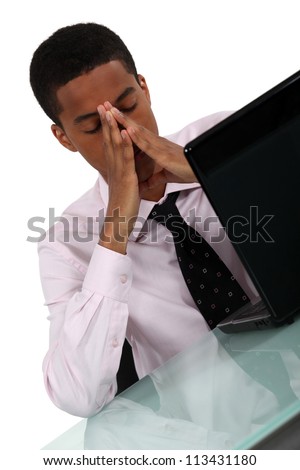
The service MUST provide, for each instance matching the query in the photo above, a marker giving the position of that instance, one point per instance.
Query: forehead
(84, 93)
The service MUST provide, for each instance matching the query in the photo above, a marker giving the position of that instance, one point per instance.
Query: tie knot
(167, 213)
(167, 208)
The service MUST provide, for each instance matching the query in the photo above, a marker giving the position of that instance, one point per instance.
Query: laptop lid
(249, 167)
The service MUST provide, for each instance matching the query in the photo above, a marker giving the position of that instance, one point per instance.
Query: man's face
(80, 120)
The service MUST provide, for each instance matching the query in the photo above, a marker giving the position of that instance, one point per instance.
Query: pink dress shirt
(96, 296)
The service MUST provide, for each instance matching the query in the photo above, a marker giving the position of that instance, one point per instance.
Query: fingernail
(116, 111)
(99, 109)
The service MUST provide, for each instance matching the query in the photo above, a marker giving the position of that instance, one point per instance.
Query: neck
(154, 194)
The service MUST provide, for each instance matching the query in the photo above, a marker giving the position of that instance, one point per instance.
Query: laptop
(249, 168)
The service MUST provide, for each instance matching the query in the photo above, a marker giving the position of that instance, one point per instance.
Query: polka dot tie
(214, 289)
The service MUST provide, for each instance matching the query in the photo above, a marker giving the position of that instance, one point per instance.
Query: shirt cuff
(109, 274)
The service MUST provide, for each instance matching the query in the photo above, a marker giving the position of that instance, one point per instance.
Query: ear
(62, 138)
(144, 87)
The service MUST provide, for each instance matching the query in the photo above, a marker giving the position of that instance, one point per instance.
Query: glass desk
(229, 391)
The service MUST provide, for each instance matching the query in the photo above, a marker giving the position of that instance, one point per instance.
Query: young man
(107, 271)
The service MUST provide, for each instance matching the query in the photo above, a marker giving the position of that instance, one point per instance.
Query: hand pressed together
(167, 155)
(138, 165)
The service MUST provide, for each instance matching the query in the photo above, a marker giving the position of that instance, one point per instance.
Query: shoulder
(88, 203)
(78, 223)
(191, 131)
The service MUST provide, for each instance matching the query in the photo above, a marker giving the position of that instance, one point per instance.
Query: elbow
(82, 408)
(79, 401)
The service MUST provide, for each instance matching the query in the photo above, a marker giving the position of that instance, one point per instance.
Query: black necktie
(214, 289)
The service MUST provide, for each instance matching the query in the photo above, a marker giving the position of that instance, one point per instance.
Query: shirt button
(115, 343)
(123, 278)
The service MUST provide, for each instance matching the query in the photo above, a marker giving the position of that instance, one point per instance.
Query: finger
(122, 145)
(147, 141)
(115, 134)
(120, 117)
(165, 153)
(124, 120)
(105, 126)
(128, 154)
(108, 106)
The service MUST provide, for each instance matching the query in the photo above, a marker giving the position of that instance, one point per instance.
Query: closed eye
(123, 110)
(128, 110)
(96, 129)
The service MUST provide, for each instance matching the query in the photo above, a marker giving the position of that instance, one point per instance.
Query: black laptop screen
(249, 167)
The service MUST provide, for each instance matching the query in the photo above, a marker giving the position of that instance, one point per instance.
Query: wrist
(114, 237)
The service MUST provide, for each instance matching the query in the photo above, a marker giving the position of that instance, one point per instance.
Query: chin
(144, 169)
(144, 177)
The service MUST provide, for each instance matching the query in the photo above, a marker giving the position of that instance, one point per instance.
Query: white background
(198, 57)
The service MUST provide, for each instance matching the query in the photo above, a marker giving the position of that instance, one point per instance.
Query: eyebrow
(121, 97)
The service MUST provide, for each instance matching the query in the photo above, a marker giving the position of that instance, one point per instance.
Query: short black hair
(70, 52)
